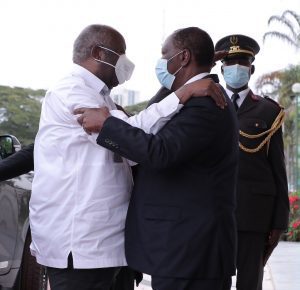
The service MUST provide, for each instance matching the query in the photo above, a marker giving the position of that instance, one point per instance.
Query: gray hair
(92, 35)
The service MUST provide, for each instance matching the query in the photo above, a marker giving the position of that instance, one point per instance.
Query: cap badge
(234, 49)
(234, 40)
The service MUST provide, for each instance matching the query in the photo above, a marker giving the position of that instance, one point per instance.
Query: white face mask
(123, 68)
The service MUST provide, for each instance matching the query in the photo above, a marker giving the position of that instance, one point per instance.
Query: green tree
(278, 85)
(20, 112)
(290, 22)
(135, 109)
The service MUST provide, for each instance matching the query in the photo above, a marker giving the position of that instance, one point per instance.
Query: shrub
(293, 233)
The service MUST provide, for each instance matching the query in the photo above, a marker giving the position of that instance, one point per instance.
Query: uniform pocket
(253, 125)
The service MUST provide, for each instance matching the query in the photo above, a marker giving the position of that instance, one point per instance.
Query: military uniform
(262, 192)
(262, 184)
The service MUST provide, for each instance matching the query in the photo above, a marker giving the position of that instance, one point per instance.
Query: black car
(18, 269)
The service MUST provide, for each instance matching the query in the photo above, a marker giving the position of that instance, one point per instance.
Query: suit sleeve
(277, 161)
(190, 131)
(160, 95)
(154, 117)
(17, 164)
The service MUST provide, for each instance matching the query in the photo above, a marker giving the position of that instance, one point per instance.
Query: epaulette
(273, 101)
(255, 97)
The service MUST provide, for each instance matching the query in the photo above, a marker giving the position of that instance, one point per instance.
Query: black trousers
(81, 279)
(162, 283)
(250, 269)
(126, 279)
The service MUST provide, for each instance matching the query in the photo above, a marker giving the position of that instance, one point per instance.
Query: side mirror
(8, 145)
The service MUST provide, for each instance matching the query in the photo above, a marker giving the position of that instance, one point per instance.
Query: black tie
(234, 100)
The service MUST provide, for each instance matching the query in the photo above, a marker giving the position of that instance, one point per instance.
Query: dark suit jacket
(180, 220)
(262, 192)
(17, 164)
(161, 94)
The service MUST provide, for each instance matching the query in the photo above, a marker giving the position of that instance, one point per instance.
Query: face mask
(236, 76)
(165, 78)
(123, 68)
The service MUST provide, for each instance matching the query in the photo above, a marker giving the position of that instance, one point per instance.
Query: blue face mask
(236, 76)
(165, 78)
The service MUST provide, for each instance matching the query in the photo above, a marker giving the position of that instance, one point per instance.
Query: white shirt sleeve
(153, 118)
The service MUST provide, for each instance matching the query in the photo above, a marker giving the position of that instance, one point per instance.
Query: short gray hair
(92, 35)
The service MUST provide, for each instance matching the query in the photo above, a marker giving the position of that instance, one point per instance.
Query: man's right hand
(202, 88)
(272, 242)
(92, 119)
(219, 55)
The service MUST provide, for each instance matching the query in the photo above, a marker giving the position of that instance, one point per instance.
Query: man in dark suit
(180, 226)
(262, 193)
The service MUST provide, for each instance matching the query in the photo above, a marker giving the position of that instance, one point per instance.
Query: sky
(37, 35)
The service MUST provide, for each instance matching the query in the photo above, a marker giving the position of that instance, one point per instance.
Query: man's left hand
(203, 87)
(92, 119)
(272, 242)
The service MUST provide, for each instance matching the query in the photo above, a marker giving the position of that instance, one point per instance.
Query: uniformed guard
(262, 191)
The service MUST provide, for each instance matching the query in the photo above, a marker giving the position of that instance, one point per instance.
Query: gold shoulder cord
(275, 126)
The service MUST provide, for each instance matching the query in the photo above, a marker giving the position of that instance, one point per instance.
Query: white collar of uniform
(197, 77)
(243, 94)
(90, 79)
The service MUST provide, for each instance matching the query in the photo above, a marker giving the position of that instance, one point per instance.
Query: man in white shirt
(81, 191)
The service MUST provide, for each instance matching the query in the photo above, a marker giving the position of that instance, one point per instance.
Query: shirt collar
(90, 79)
(243, 94)
(197, 77)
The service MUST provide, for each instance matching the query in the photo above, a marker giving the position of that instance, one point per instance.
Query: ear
(185, 57)
(97, 53)
(252, 69)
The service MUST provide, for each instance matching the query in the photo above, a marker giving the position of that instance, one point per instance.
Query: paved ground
(285, 266)
(281, 273)
(268, 283)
